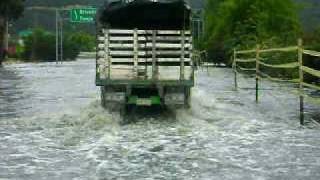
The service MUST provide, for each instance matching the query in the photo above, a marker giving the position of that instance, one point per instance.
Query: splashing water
(52, 127)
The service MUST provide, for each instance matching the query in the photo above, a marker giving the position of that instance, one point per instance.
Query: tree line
(242, 24)
(39, 45)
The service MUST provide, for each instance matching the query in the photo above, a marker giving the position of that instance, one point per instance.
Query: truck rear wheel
(187, 97)
(112, 106)
(102, 95)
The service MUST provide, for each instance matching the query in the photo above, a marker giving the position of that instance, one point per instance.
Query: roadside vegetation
(243, 24)
(40, 45)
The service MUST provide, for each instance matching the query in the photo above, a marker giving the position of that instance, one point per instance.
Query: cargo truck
(144, 54)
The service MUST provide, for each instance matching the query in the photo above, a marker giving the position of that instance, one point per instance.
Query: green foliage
(41, 45)
(84, 41)
(242, 24)
(315, 41)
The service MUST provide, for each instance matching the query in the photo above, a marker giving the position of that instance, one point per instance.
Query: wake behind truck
(144, 54)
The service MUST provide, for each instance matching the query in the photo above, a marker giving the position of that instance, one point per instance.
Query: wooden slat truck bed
(156, 62)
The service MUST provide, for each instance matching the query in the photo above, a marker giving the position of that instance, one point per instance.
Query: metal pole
(61, 39)
(257, 72)
(57, 36)
(235, 69)
(203, 25)
(199, 26)
(6, 37)
(300, 58)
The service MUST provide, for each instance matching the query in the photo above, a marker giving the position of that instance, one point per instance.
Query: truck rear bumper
(146, 83)
(146, 95)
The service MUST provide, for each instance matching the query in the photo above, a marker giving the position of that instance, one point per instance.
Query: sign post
(83, 15)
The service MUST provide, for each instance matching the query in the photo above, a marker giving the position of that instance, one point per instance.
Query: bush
(41, 45)
(242, 24)
(85, 42)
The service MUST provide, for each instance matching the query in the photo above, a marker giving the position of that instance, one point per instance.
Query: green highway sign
(83, 15)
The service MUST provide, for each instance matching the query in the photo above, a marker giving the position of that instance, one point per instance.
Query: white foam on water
(225, 134)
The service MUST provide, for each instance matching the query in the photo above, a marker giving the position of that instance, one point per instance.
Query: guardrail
(259, 62)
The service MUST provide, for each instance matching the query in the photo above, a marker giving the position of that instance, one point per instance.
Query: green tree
(85, 41)
(40, 45)
(244, 23)
(9, 10)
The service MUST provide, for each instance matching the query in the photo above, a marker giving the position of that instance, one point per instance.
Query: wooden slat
(101, 46)
(170, 45)
(284, 66)
(122, 46)
(141, 38)
(146, 53)
(119, 45)
(286, 49)
(311, 86)
(101, 38)
(162, 32)
(149, 32)
(124, 60)
(311, 71)
(124, 72)
(246, 60)
(126, 53)
(147, 45)
(311, 53)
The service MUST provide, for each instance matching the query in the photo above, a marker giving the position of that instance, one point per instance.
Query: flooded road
(52, 127)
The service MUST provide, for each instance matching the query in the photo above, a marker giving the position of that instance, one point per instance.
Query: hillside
(46, 19)
(193, 3)
(310, 15)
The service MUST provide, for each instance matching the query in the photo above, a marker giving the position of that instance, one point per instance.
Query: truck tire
(187, 98)
(111, 106)
(102, 95)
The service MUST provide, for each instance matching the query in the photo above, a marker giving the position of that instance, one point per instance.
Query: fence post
(301, 78)
(257, 72)
(235, 69)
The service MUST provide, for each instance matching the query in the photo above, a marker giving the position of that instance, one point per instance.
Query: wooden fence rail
(298, 64)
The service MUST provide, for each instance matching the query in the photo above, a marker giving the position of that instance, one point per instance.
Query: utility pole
(61, 39)
(199, 29)
(6, 36)
(57, 36)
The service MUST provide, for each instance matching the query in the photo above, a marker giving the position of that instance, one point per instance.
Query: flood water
(52, 127)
